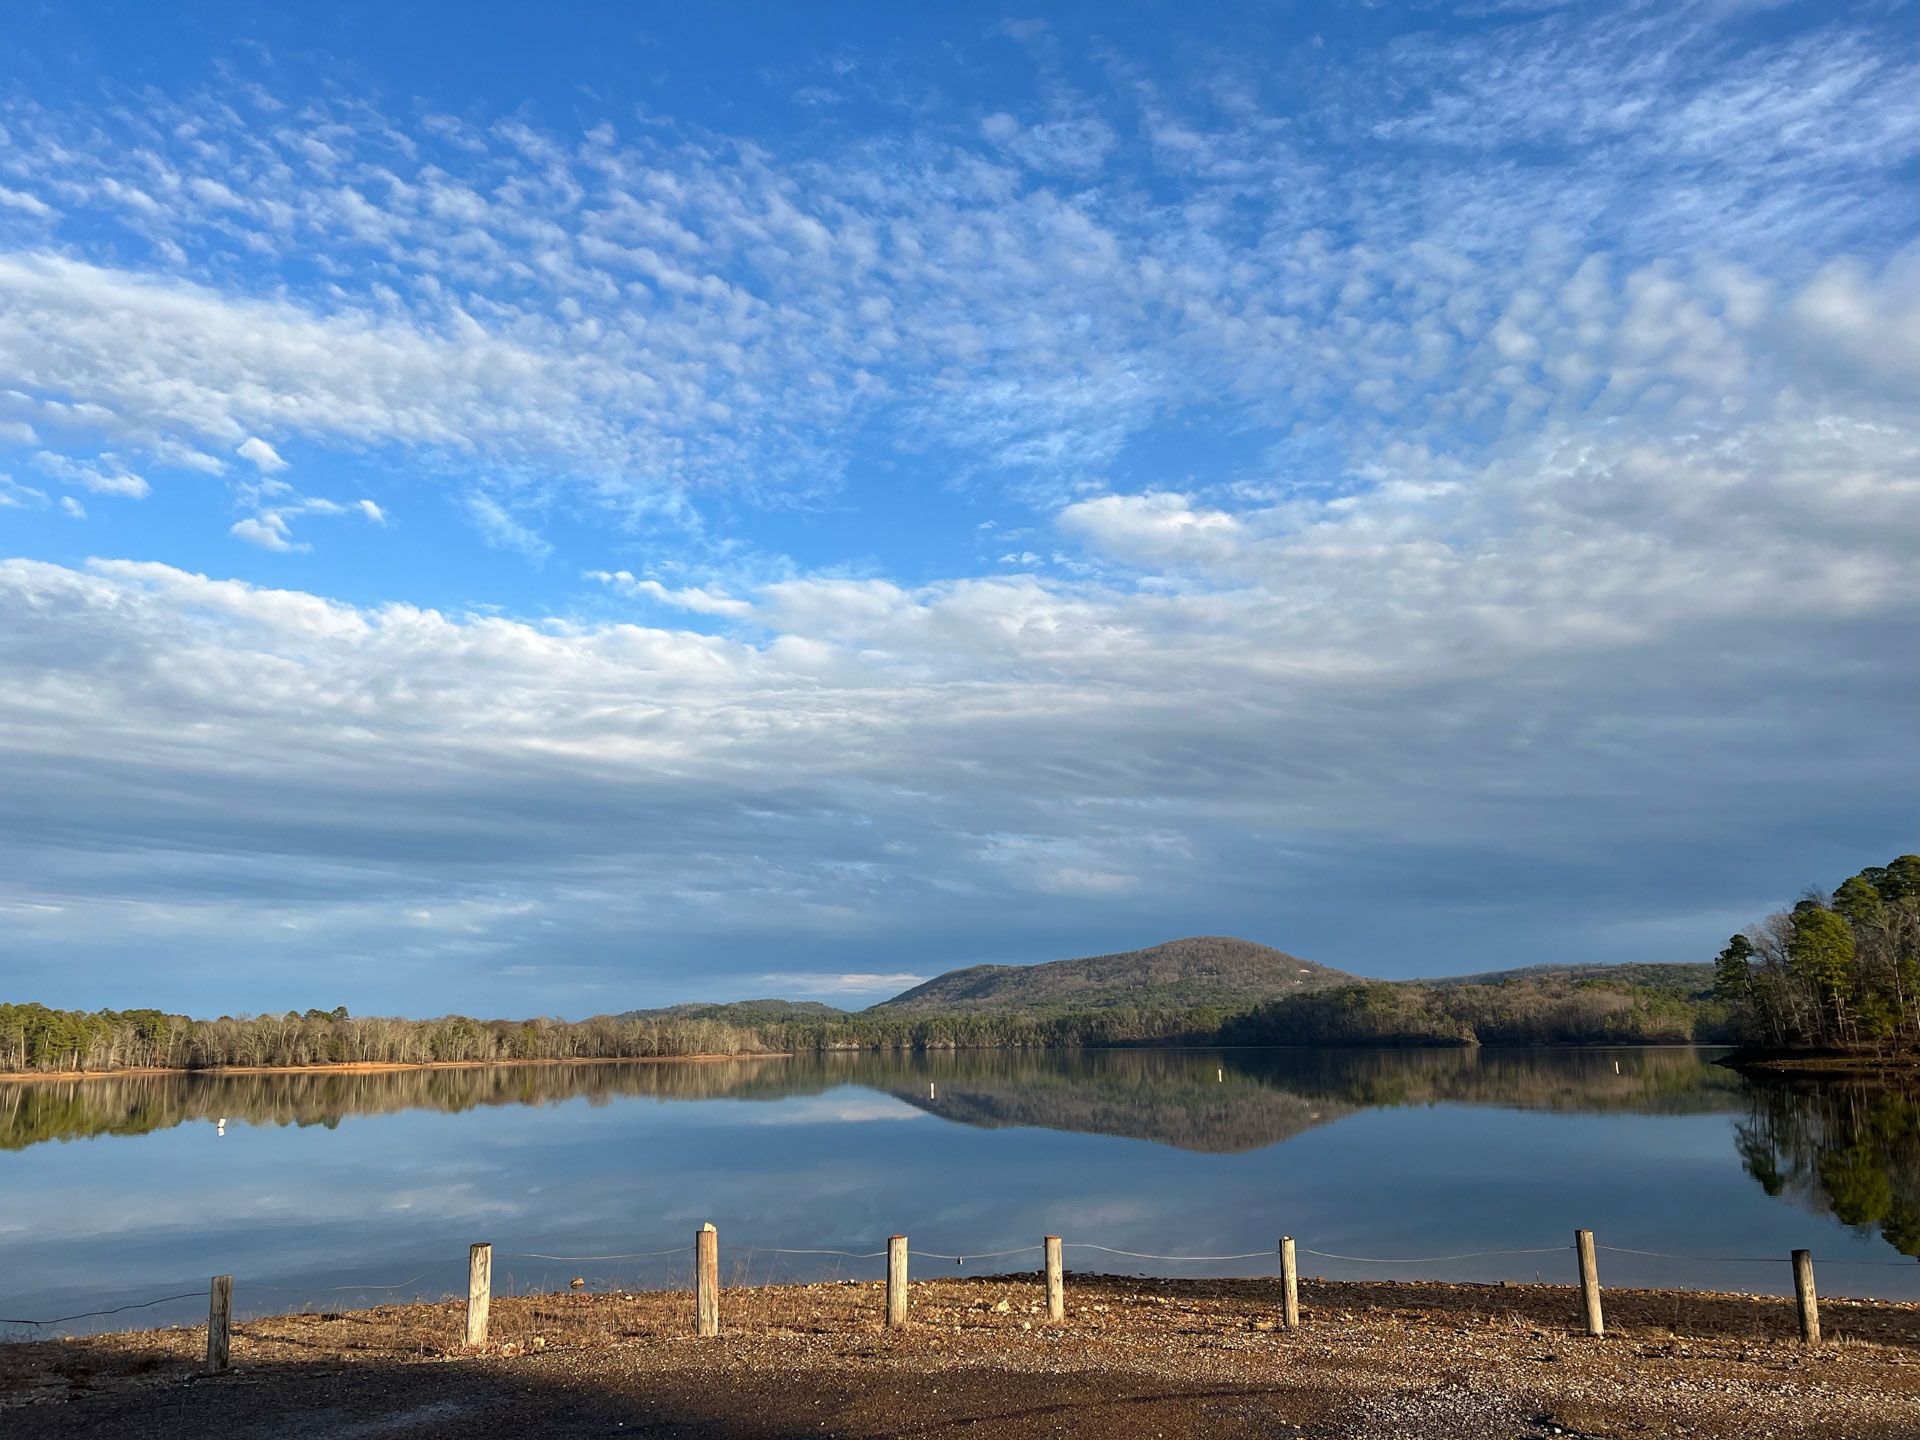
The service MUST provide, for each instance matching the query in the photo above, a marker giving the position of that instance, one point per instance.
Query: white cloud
(691, 597)
(105, 476)
(264, 457)
(15, 496)
(1155, 529)
(268, 530)
(1402, 490)
(502, 530)
(20, 200)
(73, 507)
(854, 984)
(640, 318)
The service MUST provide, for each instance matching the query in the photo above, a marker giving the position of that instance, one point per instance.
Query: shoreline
(1183, 1359)
(1816, 1063)
(380, 1067)
(376, 1067)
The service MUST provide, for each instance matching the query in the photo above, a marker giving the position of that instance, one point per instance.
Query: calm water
(324, 1187)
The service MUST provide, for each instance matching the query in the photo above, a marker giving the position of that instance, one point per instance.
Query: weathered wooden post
(706, 1281)
(1804, 1297)
(479, 1292)
(1056, 1281)
(1589, 1282)
(896, 1282)
(219, 1322)
(1289, 1285)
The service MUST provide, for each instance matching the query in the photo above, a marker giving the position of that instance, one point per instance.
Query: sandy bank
(1134, 1357)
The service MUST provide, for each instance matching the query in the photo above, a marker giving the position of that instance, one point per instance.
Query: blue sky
(516, 511)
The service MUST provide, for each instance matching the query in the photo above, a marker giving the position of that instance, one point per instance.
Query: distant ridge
(741, 1012)
(1199, 971)
(1691, 977)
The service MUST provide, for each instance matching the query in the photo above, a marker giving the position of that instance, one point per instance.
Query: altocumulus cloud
(1542, 587)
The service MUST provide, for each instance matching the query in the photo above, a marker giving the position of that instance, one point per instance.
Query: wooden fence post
(1804, 1297)
(219, 1322)
(1056, 1281)
(1589, 1282)
(896, 1282)
(706, 1281)
(479, 1292)
(1289, 1285)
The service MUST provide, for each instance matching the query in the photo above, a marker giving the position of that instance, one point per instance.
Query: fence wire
(1432, 1259)
(1137, 1255)
(116, 1310)
(632, 1255)
(1745, 1259)
(962, 1257)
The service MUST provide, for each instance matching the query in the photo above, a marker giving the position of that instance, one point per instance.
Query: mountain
(1201, 971)
(741, 1012)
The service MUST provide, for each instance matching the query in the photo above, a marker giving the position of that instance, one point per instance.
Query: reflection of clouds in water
(382, 1177)
(826, 1110)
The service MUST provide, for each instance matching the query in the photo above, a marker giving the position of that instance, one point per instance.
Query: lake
(336, 1190)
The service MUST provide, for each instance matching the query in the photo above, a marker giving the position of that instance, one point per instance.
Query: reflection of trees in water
(1199, 1100)
(1246, 1099)
(136, 1104)
(1846, 1148)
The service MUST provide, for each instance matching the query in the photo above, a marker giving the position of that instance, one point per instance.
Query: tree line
(34, 1038)
(1836, 972)
(1517, 1011)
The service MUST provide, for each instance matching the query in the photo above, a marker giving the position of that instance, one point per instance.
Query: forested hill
(1683, 977)
(1196, 991)
(741, 1012)
(1201, 972)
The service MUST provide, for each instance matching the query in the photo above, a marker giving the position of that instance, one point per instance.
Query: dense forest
(1519, 1010)
(35, 1038)
(1836, 973)
(1830, 971)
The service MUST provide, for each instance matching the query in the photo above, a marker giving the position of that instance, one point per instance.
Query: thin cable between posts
(634, 1255)
(1137, 1255)
(849, 1254)
(1743, 1259)
(338, 1289)
(1432, 1259)
(116, 1310)
(962, 1259)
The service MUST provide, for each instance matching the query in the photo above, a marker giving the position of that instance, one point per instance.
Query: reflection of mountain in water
(1194, 1101)
(1243, 1100)
(1197, 1100)
(1846, 1148)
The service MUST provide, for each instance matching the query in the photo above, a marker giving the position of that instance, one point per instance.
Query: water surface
(335, 1190)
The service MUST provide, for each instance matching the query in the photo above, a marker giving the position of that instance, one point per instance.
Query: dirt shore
(370, 1067)
(1134, 1358)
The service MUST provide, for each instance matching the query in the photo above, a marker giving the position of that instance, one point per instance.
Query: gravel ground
(1134, 1358)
